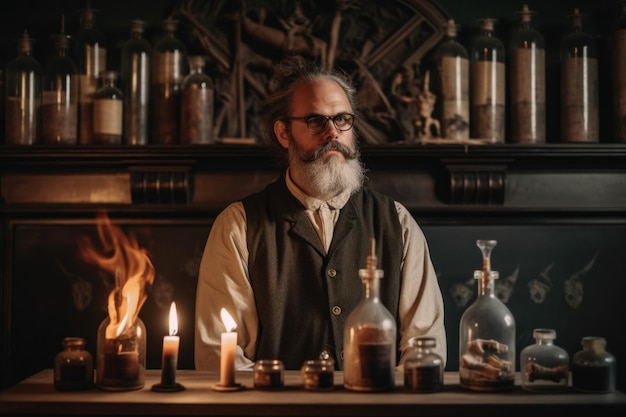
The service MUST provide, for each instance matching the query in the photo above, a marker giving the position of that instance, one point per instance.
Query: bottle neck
(372, 289)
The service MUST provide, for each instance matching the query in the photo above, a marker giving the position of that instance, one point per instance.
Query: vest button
(336, 310)
(332, 273)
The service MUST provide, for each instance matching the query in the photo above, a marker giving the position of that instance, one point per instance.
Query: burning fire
(129, 265)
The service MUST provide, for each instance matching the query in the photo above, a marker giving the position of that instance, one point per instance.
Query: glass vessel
(544, 366)
(23, 94)
(196, 110)
(59, 100)
(370, 336)
(169, 60)
(487, 334)
(269, 374)
(135, 77)
(579, 85)
(488, 85)
(318, 374)
(73, 366)
(108, 108)
(453, 69)
(528, 82)
(121, 358)
(423, 368)
(90, 58)
(619, 75)
(593, 368)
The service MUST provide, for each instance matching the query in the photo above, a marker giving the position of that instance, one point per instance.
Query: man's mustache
(347, 152)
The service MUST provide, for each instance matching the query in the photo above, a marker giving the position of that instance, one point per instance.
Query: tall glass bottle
(23, 94)
(619, 75)
(370, 336)
(453, 68)
(59, 100)
(487, 334)
(528, 82)
(90, 58)
(196, 115)
(108, 108)
(135, 74)
(169, 60)
(579, 85)
(487, 74)
(544, 366)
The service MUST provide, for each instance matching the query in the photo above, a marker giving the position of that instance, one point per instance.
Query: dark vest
(303, 296)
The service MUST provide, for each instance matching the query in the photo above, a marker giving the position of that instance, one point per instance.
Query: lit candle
(229, 348)
(170, 350)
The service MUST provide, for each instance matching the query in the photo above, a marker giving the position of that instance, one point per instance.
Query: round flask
(73, 366)
(593, 368)
(423, 368)
(544, 366)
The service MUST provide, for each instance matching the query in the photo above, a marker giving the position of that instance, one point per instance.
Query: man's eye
(317, 121)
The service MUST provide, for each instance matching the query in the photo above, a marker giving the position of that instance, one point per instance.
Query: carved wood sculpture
(376, 42)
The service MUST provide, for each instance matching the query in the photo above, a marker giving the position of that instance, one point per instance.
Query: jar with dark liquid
(593, 368)
(423, 368)
(73, 366)
(318, 374)
(269, 374)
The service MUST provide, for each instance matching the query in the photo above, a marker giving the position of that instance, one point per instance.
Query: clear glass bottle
(108, 106)
(423, 368)
(579, 85)
(619, 75)
(528, 82)
(370, 336)
(594, 368)
(169, 63)
(90, 57)
(196, 110)
(487, 334)
(453, 69)
(488, 85)
(121, 358)
(73, 366)
(23, 94)
(544, 366)
(136, 86)
(59, 100)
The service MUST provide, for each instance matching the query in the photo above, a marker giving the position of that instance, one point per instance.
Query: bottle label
(488, 100)
(107, 116)
(454, 73)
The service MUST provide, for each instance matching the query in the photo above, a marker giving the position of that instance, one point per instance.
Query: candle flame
(173, 320)
(228, 320)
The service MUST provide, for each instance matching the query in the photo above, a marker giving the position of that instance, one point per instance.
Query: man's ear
(280, 130)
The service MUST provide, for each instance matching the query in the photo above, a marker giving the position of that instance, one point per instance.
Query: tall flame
(122, 257)
(228, 321)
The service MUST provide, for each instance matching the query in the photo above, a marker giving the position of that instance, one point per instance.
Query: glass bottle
(269, 374)
(318, 374)
(453, 68)
(108, 106)
(487, 334)
(544, 366)
(196, 110)
(370, 336)
(59, 100)
(23, 94)
(593, 368)
(73, 366)
(528, 82)
(121, 358)
(619, 75)
(169, 61)
(579, 85)
(135, 75)
(90, 58)
(487, 73)
(423, 368)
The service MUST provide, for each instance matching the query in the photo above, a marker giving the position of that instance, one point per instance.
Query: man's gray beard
(328, 177)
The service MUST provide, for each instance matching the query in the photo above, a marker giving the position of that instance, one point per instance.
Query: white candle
(228, 350)
(170, 350)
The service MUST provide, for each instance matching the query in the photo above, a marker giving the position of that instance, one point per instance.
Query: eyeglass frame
(306, 119)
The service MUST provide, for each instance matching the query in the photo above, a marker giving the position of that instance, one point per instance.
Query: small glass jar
(108, 107)
(544, 366)
(269, 374)
(593, 368)
(423, 368)
(318, 375)
(73, 366)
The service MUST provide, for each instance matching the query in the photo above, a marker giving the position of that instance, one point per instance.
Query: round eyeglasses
(316, 123)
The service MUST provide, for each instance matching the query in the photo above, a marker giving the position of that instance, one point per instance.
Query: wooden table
(37, 396)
